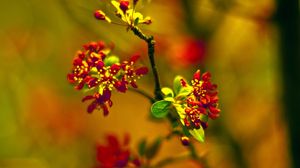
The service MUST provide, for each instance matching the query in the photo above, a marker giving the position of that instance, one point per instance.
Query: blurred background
(249, 46)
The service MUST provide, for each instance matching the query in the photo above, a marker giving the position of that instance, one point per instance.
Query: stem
(171, 160)
(143, 93)
(196, 157)
(151, 43)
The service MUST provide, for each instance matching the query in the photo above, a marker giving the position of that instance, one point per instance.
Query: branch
(151, 43)
(143, 93)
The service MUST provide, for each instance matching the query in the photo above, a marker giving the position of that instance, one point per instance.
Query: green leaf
(180, 110)
(198, 134)
(177, 84)
(108, 61)
(161, 108)
(142, 147)
(170, 99)
(153, 148)
(184, 92)
(168, 92)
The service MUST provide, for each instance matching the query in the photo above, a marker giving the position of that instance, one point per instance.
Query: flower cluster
(126, 13)
(194, 104)
(202, 102)
(115, 154)
(94, 67)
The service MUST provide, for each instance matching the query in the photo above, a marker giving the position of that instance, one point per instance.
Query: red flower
(89, 70)
(132, 73)
(115, 154)
(187, 51)
(203, 101)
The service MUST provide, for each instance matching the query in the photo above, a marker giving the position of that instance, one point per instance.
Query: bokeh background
(249, 46)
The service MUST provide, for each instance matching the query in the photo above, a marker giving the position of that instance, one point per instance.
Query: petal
(100, 65)
(92, 46)
(206, 76)
(133, 84)
(81, 54)
(183, 82)
(213, 116)
(106, 95)
(113, 141)
(92, 82)
(77, 61)
(214, 110)
(105, 109)
(110, 103)
(121, 86)
(134, 58)
(79, 86)
(197, 75)
(202, 110)
(214, 99)
(101, 45)
(92, 107)
(141, 71)
(70, 78)
(88, 97)
(115, 68)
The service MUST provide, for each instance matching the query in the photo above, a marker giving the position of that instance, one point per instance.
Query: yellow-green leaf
(198, 134)
(168, 92)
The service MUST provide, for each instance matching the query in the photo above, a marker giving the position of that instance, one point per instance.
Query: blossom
(94, 67)
(194, 103)
(115, 154)
(202, 102)
(186, 51)
(126, 13)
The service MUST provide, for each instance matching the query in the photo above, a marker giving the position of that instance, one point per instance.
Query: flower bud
(99, 14)
(185, 140)
(124, 4)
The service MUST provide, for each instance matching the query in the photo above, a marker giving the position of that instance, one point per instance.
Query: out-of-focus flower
(115, 154)
(95, 68)
(187, 51)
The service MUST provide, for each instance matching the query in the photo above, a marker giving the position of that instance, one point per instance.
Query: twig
(143, 93)
(151, 43)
